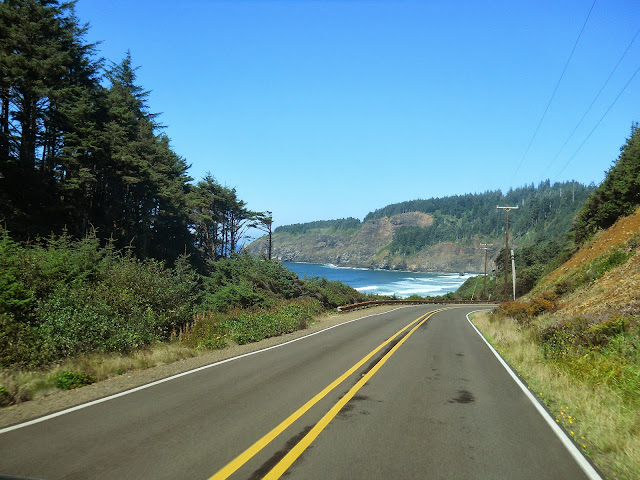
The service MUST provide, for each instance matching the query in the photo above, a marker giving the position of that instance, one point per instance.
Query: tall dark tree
(46, 74)
(78, 156)
(142, 183)
(617, 196)
(219, 219)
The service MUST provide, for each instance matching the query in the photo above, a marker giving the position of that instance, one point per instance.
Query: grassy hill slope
(575, 339)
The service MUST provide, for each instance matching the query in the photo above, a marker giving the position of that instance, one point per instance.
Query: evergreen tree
(76, 156)
(617, 196)
(47, 75)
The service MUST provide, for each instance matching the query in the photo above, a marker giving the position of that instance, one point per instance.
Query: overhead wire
(535, 133)
(592, 102)
(599, 121)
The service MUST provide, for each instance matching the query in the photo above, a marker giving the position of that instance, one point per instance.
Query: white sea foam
(386, 282)
(366, 289)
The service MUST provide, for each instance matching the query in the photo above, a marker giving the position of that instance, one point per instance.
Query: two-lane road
(411, 393)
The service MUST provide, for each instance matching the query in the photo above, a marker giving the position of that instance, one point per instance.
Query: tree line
(349, 223)
(617, 196)
(81, 152)
(544, 213)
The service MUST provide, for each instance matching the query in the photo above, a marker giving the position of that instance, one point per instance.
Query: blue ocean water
(383, 282)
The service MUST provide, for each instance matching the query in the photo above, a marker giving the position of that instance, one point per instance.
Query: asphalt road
(406, 394)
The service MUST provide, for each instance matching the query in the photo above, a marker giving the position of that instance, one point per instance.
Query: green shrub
(560, 338)
(132, 287)
(15, 297)
(252, 326)
(270, 277)
(205, 332)
(69, 380)
(332, 294)
(600, 334)
(227, 297)
(73, 322)
(5, 397)
(19, 344)
(604, 353)
(47, 263)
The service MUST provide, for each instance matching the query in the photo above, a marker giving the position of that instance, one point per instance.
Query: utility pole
(506, 250)
(485, 247)
(513, 272)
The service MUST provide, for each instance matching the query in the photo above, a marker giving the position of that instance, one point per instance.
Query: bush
(68, 380)
(267, 276)
(18, 342)
(15, 297)
(600, 334)
(253, 326)
(205, 332)
(134, 288)
(5, 397)
(560, 338)
(232, 296)
(61, 298)
(73, 322)
(524, 312)
(332, 294)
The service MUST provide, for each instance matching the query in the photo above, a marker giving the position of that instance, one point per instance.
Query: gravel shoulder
(63, 399)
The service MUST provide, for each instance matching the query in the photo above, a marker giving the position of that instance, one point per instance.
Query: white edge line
(178, 375)
(587, 468)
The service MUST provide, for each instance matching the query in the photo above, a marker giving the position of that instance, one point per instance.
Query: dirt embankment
(617, 292)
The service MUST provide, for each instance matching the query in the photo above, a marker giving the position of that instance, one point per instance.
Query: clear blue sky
(328, 109)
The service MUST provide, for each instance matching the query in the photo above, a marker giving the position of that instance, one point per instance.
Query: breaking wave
(384, 282)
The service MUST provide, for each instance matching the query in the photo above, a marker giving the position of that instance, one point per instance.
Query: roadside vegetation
(111, 256)
(575, 337)
(70, 308)
(587, 374)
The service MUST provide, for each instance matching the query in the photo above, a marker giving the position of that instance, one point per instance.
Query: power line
(554, 90)
(597, 124)
(594, 101)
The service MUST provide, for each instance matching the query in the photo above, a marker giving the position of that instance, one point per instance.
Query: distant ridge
(436, 234)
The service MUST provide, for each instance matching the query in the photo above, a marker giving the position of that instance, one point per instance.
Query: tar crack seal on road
(464, 396)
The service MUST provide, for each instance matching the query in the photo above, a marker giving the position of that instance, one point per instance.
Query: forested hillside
(80, 150)
(544, 212)
(442, 233)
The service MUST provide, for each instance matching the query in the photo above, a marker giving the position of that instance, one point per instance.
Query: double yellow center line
(295, 452)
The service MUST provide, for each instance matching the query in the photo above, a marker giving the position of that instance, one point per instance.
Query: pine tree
(617, 196)
(46, 71)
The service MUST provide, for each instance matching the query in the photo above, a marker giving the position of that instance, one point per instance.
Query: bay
(383, 282)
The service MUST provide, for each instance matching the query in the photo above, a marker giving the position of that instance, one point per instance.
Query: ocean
(383, 282)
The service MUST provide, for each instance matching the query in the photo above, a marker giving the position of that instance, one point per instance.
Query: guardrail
(371, 303)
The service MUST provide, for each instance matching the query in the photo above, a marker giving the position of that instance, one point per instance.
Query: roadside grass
(208, 331)
(594, 406)
(21, 385)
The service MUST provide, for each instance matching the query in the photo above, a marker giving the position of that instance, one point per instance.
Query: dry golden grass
(600, 423)
(620, 232)
(23, 385)
(617, 292)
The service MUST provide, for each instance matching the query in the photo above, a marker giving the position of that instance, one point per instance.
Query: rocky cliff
(367, 247)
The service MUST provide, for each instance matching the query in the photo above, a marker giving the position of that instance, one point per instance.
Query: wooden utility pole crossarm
(506, 249)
